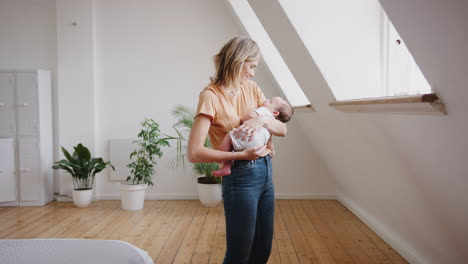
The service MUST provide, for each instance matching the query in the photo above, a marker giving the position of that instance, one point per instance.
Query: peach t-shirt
(225, 110)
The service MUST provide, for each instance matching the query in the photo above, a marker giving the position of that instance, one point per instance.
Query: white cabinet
(7, 170)
(26, 118)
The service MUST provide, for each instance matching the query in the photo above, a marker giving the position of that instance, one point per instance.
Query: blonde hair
(230, 60)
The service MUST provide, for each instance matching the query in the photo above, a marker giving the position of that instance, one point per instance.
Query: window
(403, 76)
(271, 56)
(356, 48)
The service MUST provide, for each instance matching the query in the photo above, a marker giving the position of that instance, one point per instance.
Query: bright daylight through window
(271, 56)
(356, 48)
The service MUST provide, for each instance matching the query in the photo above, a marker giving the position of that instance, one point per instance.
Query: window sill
(304, 108)
(423, 104)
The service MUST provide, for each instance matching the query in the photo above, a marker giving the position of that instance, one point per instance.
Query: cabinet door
(26, 104)
(7, 105)
(7, 170)
(29, 172)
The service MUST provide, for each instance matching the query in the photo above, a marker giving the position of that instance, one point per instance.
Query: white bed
(71, 251)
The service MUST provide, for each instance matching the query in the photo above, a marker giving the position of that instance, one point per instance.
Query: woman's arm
(198, 153)
(251, 126)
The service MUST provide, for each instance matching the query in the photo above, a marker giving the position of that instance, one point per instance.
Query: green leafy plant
(150, 142)
(81, 166)
(185, 117)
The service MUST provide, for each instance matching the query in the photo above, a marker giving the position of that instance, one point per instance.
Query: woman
(248, 191)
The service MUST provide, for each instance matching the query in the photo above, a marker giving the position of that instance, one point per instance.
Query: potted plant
(208, 186)
(144, 160)
(83, 168)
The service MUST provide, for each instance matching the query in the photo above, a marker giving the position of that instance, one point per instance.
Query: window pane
(355, 48)
(404, 75)
(271, 56)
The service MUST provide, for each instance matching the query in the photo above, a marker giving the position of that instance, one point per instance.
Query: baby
(275, 107)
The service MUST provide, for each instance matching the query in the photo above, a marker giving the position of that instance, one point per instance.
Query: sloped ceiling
(405, 174)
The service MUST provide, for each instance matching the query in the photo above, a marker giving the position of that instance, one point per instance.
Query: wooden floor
(306, 231)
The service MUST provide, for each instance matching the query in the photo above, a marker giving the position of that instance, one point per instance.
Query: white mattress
(72, 251)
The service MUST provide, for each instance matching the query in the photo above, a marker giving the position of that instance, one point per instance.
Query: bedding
(71, 251)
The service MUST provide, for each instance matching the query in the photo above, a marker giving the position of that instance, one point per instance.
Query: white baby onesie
(260, 138)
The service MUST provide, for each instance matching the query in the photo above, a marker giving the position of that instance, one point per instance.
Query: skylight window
(356, 48)
(403, 76)
(271, 56)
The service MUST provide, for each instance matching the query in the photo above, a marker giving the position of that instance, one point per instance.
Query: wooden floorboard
(306, 231)
(316, 243)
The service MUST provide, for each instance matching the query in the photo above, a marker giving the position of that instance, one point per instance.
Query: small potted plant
(208, 186)
(83, 168)
(144, 160)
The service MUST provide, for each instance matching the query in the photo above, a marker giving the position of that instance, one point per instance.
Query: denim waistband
(258, 159)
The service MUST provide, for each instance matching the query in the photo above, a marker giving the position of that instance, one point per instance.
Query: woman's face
(248, 71)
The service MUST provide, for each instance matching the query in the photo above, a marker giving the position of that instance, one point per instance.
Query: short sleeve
(207, 104)
(259, 96)
(263, 111)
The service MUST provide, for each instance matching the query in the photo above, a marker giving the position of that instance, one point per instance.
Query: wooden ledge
(426, 104)
(304, 107)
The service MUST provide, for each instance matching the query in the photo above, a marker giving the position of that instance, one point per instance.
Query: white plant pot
(210, 194)
(132, 196)
(82, 198)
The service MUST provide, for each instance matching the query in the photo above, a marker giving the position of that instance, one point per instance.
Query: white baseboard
(9, 204)
(195, 196)
(382, 231)
(153, 197)
(63, 198)
(312, 196)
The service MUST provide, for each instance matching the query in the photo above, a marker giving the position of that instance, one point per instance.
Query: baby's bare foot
(222, 172)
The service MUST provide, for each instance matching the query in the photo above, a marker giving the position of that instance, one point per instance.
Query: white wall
(149, 59)
(75, 79)
(298, 168)
(300, 172)
(28, 34)
(124, 61)
(404, 175)
(154, 55)
(435, 33)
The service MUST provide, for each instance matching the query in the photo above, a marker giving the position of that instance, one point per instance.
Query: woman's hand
(248, 129)
(272, 153)
(252, 153)
(251, 126)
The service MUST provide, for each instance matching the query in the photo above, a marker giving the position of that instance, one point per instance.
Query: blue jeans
(249, 203)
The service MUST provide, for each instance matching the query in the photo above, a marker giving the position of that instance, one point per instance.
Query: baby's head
(281, 109)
